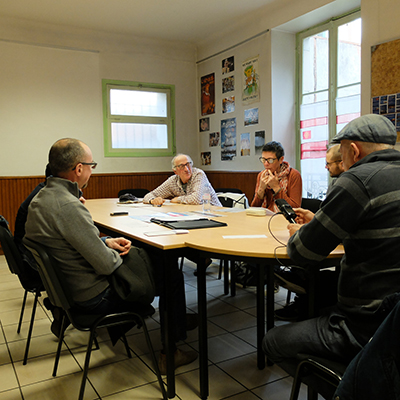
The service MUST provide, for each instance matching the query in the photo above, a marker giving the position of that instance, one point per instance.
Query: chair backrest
(233, 200)
(52, 277)
(226, 190)
(311, 204)
(13, 256)
(140, 193)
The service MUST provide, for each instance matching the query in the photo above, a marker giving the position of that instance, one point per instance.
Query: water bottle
(206, 200)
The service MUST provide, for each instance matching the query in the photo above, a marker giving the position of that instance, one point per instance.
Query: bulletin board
(385, 81)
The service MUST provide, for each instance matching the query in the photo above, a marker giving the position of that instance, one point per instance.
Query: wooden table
(237, 241)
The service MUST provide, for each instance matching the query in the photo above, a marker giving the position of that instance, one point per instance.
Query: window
(329, 61)
(138, 119)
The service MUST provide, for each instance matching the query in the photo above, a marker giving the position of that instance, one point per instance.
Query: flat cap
(372, 128)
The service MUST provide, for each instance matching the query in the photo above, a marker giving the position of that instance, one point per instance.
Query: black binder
(189, 224)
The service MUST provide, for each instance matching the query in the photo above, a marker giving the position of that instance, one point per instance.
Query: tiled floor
(232, 354)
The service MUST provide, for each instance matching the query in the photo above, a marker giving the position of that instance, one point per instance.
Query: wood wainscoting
(14, 190)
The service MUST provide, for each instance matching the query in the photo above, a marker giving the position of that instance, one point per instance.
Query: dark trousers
(109, 302)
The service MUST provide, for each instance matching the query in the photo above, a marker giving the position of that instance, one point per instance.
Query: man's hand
(157, 201)
(175, 200)
(293, 228)
(120, 244)
(82, 200)
(303, 216)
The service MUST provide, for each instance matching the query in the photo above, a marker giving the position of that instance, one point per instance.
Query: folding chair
(28, 277)
(59, 295)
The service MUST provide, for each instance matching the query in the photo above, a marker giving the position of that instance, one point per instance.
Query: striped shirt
(191, 194)
(362, 211)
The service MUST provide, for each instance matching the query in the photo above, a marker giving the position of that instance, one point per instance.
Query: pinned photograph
(228, 139)
(228, 104)
(206, 158)
(259, 141)
(228, 84)
(245, 144)
(214, 139)
(228, 65)
(251, 117)
(208, 94)
(204, 124)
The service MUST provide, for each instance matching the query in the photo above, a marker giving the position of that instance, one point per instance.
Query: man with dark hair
(362, 211)
(60, 222)
(277, 181)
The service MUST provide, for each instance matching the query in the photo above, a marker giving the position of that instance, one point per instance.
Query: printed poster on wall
(205, 158)
(251, 81)
(228, 65)
(214, 139)
(208, 94)
(204, 124)
(259, 141)
(228, 139)
(245, 144)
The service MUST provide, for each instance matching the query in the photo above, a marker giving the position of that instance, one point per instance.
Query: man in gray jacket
(58, 220)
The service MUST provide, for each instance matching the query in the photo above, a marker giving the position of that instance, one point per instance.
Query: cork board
(385, 68)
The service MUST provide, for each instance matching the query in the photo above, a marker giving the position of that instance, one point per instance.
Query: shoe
(48, 304)
(192, 322)
(288, 313)
(208, 263)
(291, 280)
(180, 358)
(56, 324)
(276, 287)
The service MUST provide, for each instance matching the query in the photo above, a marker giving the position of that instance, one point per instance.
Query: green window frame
(165, 123)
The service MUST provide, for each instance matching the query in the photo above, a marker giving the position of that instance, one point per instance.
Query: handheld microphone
(286, 209)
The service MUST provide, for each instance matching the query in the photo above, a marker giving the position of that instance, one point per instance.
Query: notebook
(189, 224)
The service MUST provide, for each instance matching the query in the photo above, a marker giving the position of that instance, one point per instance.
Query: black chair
(321, 375)
(59, 295)
(29, 278)
(311, 204)
(140, 193)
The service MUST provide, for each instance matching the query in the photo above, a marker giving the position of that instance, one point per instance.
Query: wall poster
(228, 139)
(208, 94)
(251, 81)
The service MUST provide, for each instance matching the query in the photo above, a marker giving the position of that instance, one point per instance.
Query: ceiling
(178, 20)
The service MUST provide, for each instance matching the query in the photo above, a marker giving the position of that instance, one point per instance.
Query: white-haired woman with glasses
(278, 180)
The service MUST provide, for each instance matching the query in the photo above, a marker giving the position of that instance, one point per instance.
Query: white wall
(51, 88)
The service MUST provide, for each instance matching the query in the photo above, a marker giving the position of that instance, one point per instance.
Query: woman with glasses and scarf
(278, 180)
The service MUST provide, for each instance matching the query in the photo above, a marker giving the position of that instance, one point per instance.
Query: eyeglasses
(183, 166)
(268, 160)
(332, 162)
(92, 164)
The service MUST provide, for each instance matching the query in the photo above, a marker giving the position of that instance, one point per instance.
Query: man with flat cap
(362, 211)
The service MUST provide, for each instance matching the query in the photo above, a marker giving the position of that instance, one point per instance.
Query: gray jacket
(59, 221)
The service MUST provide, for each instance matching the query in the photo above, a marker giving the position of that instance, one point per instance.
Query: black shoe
(192, 322)
(288, 313)
(56, 324)
(48, 304)
(291, 280)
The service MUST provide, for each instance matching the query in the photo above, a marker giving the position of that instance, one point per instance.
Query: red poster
(208, 94)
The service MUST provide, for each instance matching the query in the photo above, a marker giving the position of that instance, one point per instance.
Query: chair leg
(125, 341)
(294, 395)
(288, 297)
(28, 339)
(60, 341)
(182, 259)
(21, 316)
(154, 359)
(86, 365)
